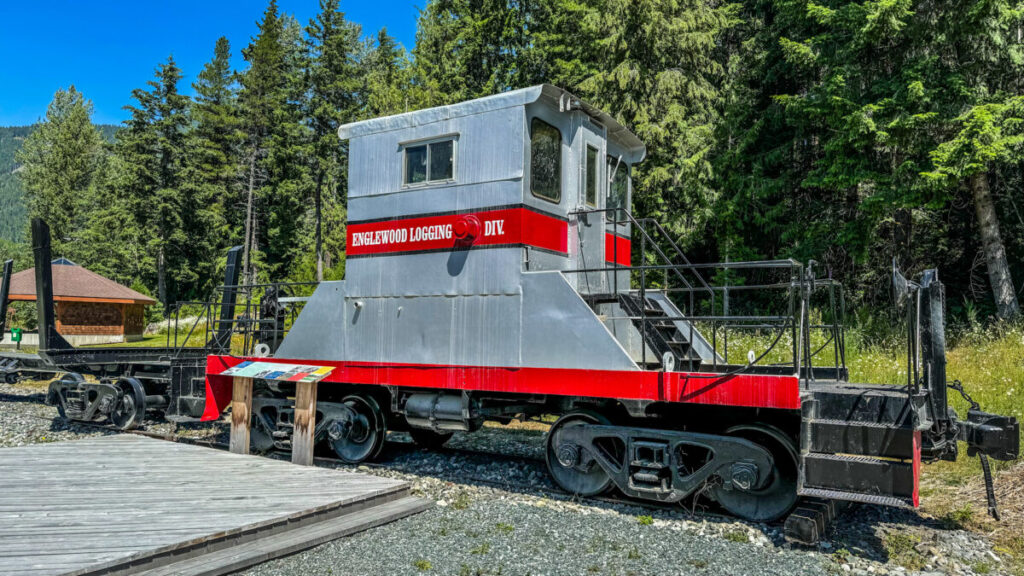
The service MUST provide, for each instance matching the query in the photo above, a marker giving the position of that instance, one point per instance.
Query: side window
(591, 191)
(545, 160)
(430, 163)
(618, 188)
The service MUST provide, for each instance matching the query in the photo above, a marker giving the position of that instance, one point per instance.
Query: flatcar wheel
(429, 438)
(358, 434)
(69, 380)
(130, 409)
(778, 496)
(570, 464)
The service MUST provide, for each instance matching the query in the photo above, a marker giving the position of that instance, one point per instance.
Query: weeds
(481, 549)
(960, 519)
(900, 547)
(737, 536)
(461, 502)
(644, 520)
(422, 565)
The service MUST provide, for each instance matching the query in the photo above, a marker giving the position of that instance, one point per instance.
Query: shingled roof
(73, 283)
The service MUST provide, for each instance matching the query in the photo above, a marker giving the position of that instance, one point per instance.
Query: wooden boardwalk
(129, 504)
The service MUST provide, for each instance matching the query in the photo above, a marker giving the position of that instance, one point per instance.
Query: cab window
(430, 162)
(591, 190)
(545, 161)
(618, 188)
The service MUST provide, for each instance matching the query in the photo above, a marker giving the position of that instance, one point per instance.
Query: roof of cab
(556, 96)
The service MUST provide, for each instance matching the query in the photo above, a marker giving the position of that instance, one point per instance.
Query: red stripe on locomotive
(617, 249)
(487, 228)
(747, 390)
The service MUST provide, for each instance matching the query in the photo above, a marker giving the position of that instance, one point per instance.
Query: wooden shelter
(91, 309)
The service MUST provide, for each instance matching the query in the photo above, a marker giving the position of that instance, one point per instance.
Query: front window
(430, 163)
(618, 189)
(545, 160)
(591, 191)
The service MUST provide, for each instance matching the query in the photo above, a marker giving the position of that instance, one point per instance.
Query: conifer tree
(58, 162)
(387, 77)
(467, 49)
(262, 94)
(215, 143)
(334, 84)
(152, 147)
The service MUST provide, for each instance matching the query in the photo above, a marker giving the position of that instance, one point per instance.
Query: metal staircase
(673, 339)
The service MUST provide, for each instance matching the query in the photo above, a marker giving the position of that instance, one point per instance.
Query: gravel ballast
(501, 515)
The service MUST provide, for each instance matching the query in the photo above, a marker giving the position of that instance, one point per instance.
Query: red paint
(750, 390)
(917, 467)
(617, 249)
(467, 227)
(493, 227)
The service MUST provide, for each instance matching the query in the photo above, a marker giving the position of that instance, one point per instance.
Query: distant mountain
(12, 205)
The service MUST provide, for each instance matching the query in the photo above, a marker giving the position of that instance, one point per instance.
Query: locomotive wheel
(130, 409)
(778, 496)
(359, 435)
(429, 438)
(571, 466)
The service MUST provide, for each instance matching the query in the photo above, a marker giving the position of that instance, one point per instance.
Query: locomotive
(494, 271)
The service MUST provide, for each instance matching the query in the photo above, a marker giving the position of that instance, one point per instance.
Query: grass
(737, 536)
(900, 547)
(462, 501)
(481, 549)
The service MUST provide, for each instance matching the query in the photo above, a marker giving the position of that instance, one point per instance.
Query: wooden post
(241, 410)
(305, 423)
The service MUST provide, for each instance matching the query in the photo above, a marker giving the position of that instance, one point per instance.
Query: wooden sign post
(241, 414)
(305, 423)
(306, 379)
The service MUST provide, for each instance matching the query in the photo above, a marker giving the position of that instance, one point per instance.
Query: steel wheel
(571, 465)
(71, 379)
(429, 438)
(358, 435)
(778, 496)
(130, 408)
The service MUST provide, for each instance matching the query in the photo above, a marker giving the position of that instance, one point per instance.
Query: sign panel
(502, 227)
(277, 371)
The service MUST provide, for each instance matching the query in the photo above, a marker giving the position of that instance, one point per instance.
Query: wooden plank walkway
(126, 503)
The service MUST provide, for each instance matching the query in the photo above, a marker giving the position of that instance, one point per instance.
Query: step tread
(857, 497)
(859, 458)
(856, 423)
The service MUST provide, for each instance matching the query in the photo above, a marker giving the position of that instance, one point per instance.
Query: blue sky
(107, 48)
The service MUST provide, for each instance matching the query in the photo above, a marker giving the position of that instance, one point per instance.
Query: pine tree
(334, 84)
(467, 49)
(215, 143)
(261, 95)
(152, 147)
(843, 114)
(387, 77)
(654, 65)
(59, 159)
